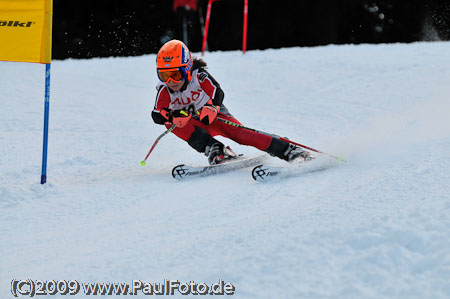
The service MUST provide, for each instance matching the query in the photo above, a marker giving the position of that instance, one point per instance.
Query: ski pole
(143, 162)
(340, 159)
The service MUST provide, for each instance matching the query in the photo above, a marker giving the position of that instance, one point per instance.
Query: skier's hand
(160, 116)
(165, 113)
(208, 114)
(180, 117)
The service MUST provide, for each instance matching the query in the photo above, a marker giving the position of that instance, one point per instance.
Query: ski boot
(288, 151)
(218, 153)
(294, 152)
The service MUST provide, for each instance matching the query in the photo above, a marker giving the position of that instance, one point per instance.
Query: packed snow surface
(377, 226)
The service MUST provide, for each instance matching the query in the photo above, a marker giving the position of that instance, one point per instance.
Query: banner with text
(26, 30)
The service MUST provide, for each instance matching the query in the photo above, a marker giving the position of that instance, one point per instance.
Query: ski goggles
(176, 75)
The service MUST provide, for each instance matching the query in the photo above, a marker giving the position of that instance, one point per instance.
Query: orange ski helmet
(174, 62)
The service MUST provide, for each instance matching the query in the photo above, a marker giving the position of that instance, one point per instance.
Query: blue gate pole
(46, 112)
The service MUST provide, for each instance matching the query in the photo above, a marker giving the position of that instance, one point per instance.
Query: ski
(184, 171)
(266, 173)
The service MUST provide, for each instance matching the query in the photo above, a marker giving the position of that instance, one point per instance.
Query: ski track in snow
(374, 227)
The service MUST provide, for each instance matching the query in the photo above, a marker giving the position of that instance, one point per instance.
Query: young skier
(189, 97)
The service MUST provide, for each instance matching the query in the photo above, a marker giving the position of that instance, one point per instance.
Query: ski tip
(256, 173)
(178, 172)
(265, 173)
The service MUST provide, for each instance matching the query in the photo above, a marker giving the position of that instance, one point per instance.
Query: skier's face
(175, 86)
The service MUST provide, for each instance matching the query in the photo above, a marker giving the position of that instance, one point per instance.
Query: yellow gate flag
(26, 30)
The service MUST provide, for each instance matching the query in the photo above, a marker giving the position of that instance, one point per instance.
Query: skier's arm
(211, 87)
(209, 111)
(161, 111)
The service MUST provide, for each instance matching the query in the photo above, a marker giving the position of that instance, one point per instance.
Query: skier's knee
(200, 139)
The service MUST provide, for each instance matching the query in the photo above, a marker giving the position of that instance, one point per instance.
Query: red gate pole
(244, 33)
(205, 34)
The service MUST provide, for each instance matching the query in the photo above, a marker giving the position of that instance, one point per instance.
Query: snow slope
(375, 227)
